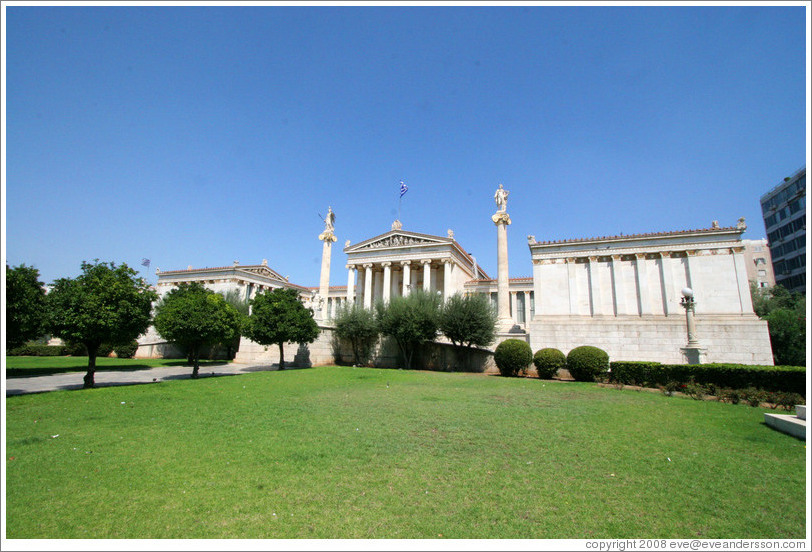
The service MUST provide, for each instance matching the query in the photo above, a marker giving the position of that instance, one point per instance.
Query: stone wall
(327, 350)
(734, 339)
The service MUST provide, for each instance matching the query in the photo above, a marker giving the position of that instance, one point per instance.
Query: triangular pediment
(263, 271)
(395, 239)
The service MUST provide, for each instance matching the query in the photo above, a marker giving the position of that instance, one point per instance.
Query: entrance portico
(395, 263)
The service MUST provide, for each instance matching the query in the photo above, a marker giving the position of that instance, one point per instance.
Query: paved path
(107, 378)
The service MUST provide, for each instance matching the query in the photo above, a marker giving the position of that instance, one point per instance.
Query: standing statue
(329, 220)
(501, 196)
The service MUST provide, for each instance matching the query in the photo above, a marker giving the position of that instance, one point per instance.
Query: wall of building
(743, 340)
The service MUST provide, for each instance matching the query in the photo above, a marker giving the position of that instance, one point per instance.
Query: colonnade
(386, 279)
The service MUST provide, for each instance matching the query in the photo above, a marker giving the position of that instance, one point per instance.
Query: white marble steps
(792, 425)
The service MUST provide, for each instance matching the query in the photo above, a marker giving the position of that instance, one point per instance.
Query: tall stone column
(617, 286)
(642, 284)
(426, 275)
(407, 276)
(387, 280)
(368, 286)
(447, 288)
(328, 237)
(501, 219)
(350, 284)
(594, 286)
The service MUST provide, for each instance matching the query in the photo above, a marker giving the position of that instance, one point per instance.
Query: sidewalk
(108, 378)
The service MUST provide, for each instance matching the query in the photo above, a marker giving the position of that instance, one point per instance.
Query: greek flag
(145, 262)
(403, 188)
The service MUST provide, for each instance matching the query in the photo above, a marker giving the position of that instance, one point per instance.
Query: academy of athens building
(623, 294)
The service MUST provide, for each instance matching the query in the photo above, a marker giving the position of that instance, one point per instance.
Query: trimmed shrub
(36, 349)
(791, 379)
(104, 350)
(548, 361)
(586, 363)
(512, 356)
(126, 351)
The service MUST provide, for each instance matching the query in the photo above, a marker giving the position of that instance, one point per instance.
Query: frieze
(396, 241)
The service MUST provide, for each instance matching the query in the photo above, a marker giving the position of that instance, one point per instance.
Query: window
(762, 272)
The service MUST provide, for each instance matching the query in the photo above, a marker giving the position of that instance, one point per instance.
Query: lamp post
(689, 304)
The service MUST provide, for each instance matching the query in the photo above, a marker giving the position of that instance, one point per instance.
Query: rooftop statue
(501, 196)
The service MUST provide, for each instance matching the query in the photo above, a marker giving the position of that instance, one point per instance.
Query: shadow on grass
(48, 371)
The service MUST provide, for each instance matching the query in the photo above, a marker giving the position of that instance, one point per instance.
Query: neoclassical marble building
(623, 294)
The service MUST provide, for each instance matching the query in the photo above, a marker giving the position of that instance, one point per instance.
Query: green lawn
(27, 366)
(367, 453)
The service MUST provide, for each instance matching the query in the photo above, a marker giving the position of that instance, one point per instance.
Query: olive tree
(411, 321)
(357, 325)
(104, 304)
(193, 316)
(468, 321)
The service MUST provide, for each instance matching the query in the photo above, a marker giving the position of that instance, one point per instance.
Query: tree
(193, 316)
(233, 297)
(468, 321)
(357, 325)
(26, 313)
(411, 321)
(785, 313)
(278, 317)
(104, 304)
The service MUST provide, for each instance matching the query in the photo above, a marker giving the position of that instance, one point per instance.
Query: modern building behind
(758, 261)
(784, 211)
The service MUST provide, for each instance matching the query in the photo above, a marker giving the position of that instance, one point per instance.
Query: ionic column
(368, 286)
(594, 286)
(447, 278)
(350, 283)
(527, 315)
(324, 281)
(642, 284)
(514, 304)
(426, 274)
(387, 280)
(501, 219)
(617, 287)
(407, 276)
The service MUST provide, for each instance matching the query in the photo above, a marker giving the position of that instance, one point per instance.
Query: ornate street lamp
(689, 304)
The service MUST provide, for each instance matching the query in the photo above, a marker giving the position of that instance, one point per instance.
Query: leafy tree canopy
(357, 325)
(26, 313)
(278, 317)
(411, 321)
(104, 304)
(193, 316)
(785, 313)
(468, 320)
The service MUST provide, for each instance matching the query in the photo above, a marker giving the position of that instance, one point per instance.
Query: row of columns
(386, 283)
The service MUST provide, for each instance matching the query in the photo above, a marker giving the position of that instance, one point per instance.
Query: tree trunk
(281, 356)
(196, 357)
(90, 381)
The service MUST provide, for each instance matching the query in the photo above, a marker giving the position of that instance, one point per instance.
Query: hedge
(790, 379)
(36, 349)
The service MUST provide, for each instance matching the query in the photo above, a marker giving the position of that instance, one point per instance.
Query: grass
(27, 366)
(368, 453)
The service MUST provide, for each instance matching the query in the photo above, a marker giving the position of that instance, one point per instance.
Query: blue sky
(203, 135)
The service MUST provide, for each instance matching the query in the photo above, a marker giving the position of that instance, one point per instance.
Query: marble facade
(619, 293)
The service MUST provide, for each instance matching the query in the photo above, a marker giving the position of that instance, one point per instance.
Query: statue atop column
(500, 197)
(329, 226)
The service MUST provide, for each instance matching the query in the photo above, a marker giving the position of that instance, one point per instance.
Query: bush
(512, 356)
(104, 350)
(586, 363)
(36, 349)
(126, 351)
(75, 349)
(735, 376)
(548, 361)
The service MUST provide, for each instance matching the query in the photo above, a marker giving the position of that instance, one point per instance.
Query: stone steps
(792, 425)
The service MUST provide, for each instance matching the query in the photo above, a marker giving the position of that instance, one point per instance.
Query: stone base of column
(693, 355)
